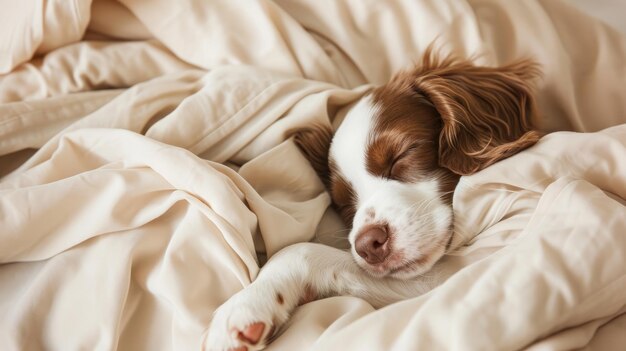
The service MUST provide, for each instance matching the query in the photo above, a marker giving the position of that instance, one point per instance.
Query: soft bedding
(147, 176)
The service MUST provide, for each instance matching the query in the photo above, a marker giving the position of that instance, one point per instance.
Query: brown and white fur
(391, 169)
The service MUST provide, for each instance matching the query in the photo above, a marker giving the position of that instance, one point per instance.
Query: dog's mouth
(401, 270)
(415, 267)
(399, 266)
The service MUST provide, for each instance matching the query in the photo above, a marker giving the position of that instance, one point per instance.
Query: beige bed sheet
(162, 170)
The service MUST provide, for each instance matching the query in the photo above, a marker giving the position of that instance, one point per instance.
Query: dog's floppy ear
(314, 142)
(485, 112)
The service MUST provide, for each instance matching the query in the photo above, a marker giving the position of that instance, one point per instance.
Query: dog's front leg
(297, 274)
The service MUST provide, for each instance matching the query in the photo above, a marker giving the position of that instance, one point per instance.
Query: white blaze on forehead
(350, 145)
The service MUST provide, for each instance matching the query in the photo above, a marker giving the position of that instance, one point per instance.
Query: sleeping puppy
(391, 169)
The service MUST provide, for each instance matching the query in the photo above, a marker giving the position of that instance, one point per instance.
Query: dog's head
(392, 165)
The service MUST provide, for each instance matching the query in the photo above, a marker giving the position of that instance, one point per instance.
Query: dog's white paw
(247, 320)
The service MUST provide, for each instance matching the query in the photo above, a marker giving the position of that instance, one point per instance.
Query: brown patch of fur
(447, 118)
(403, 144)
(314, 142)
(343, 195)
(486, 112)
(280, 299)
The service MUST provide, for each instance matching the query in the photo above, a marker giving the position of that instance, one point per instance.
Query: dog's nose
(372, 245)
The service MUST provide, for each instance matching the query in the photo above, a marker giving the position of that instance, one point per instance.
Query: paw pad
(252, 334)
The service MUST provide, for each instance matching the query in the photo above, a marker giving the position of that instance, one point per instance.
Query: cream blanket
(162, 170)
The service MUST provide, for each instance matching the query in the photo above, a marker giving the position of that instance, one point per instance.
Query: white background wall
(612, 12)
